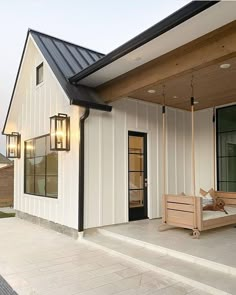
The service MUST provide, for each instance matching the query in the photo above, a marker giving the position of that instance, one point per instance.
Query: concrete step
(201, 277)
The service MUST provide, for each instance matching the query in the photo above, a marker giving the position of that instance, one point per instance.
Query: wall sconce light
(60, 132)
(13, 145)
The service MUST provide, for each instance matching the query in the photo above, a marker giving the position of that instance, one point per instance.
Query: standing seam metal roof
(69, 58)
(66, 59)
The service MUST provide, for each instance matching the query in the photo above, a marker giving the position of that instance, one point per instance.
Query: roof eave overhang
(175, 19)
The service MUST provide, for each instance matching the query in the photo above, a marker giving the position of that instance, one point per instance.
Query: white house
(113, 171)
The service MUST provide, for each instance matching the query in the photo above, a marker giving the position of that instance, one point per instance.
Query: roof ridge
(65, 41)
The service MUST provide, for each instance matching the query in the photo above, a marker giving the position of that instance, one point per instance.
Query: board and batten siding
(106, 157)
(31, 108)
(106, 150)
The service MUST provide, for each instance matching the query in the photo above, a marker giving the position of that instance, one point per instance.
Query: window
(226, 149)
(39, 74)
(41, 168)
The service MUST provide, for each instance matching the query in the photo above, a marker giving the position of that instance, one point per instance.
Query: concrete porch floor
(38, 261)
(216, 245)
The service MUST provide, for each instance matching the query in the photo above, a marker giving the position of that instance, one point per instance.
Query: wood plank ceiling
(212, 86)
(200, 58)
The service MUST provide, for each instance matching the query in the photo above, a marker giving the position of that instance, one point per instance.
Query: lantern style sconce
(60, 132)
(13, 145)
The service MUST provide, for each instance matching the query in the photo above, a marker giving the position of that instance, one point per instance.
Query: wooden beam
(204, 51)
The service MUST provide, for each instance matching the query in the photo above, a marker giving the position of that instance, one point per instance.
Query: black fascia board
(175, 19)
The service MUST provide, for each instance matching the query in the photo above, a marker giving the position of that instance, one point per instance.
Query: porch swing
(186, 211)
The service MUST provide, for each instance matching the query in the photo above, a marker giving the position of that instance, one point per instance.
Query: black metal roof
(175, 19)
(66, 59)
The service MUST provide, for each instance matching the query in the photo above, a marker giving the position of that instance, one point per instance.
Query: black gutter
(97, 106)
(175, 19)
(81, 171)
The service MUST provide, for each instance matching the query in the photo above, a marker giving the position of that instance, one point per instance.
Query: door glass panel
(136, 198)
(137, 189)
(135, 144)
(136, 180)
(135, 162)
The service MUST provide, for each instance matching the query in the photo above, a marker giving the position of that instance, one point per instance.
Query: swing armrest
(182, 211)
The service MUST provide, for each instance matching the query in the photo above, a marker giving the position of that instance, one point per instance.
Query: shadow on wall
(6, 186)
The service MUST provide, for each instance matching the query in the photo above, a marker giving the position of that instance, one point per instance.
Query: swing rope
(193, 138)
(164, 139)
(214, 148)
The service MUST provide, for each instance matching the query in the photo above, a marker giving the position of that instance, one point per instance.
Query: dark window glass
(226, 148)
(41, 168)
(39, 74)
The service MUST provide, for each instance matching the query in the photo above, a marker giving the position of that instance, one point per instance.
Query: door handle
(145, 182)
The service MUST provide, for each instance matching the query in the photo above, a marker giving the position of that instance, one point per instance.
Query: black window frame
(40, 66)
(46, 174)
(218, 156)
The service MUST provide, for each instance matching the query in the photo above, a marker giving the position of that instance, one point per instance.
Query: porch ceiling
(201, 58)
(213, 86)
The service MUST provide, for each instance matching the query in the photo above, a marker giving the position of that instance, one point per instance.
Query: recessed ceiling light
(196, 102)
(175, 96)
(225, 66)
(151, 91)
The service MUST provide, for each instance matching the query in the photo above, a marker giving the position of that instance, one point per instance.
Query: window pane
(227, 144)
(29, 166)
(52, 185)
(39, 74)
(135, 144)
(29, 185)
(135, 162)
(40, 166)
(40, 146)
(40, 185)
(29, 149)
(136, 199)
(226, 129)
(136, 180)
(227, 169)
(226, 119)
(52, 164)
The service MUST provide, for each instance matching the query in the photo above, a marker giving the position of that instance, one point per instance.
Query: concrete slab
(39, 261)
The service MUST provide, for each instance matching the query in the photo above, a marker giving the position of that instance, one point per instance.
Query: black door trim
(138, 212)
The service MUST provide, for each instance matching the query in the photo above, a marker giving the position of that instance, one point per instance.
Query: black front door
(137, 170)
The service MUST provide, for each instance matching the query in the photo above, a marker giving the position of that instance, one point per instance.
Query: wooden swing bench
(187, 212)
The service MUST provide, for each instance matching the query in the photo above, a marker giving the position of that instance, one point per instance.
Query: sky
(100, 25)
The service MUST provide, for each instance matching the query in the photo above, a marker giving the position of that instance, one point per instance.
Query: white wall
(204, 149)
(106, 156)
(106, 151)
(30, 112)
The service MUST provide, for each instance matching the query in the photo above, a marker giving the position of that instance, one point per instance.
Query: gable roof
(65, 59)
(4, 160)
